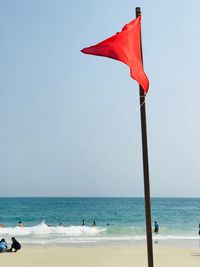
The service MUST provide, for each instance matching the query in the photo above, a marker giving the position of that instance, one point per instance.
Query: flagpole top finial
(138, 11)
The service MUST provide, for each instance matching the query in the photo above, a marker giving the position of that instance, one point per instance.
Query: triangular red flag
(124, 46)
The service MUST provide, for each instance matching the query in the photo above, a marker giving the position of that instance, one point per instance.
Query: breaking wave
(55, 235)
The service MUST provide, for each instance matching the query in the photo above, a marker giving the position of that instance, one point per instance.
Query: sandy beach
(99, 256)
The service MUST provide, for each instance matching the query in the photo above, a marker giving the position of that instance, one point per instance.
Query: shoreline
(183, 243)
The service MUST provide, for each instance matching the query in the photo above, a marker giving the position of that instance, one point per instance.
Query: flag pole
(145, 166)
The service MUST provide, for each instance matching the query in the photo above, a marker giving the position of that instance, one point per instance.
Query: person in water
(156, 227)
(94, 223)
(15, 245)
(83, 222)
(20, 224)
(3, 245)
(199, 228)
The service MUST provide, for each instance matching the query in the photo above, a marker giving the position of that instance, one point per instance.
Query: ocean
(59, 220)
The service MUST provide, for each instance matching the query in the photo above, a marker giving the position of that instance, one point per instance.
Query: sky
(70, 123)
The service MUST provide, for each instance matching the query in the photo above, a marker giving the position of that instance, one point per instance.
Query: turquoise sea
(178, 219)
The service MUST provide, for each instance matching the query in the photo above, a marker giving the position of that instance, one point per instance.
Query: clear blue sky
(70, 124)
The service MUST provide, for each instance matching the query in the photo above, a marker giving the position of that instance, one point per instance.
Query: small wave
(175, 237)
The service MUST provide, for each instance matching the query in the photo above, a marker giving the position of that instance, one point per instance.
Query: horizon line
(97, 197)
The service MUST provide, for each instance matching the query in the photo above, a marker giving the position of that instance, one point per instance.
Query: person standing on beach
(94, 223)
(156, 227)
(83, 222)
(15, 245)
(199, 228)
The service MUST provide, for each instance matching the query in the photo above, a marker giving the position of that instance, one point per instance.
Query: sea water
(59, 220)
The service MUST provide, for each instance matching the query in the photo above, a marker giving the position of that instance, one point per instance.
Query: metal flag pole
(145, 166)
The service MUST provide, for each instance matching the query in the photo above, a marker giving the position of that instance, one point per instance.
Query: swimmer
(20, 224)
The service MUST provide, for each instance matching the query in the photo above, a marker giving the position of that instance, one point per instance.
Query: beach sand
(100, 256)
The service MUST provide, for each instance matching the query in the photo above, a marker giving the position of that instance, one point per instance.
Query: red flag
(124, 46)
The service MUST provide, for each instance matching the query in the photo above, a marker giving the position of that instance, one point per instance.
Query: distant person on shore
(3, 245)
(199, 228)
(156, 227)
(94, 223)
(15, 245)
(20, 224)
(83, 222)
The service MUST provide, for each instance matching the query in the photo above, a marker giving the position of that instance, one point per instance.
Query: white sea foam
(44, 229)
